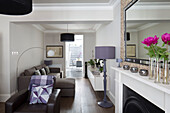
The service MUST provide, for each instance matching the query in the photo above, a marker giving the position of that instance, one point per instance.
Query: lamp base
(105, 104)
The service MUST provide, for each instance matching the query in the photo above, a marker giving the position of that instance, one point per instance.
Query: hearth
(134, 103)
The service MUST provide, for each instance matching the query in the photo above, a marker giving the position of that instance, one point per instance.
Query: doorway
(74, 57)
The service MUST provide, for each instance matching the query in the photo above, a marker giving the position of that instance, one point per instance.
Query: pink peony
(150, 40)
(166, 38)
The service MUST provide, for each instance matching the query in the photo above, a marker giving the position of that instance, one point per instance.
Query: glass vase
(151, 68)
(156, 74)
(165, 72)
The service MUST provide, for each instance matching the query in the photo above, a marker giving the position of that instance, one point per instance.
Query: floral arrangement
(156, 51)
(166, 39)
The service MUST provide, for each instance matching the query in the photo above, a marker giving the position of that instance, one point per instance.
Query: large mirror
(144, 18)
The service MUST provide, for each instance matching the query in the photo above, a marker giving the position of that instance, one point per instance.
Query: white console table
(96, 79)
(157, 93)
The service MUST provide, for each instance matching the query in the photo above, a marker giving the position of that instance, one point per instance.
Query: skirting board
(111, 97)
(5, 97)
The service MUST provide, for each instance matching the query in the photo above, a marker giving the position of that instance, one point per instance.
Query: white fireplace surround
(157, 93)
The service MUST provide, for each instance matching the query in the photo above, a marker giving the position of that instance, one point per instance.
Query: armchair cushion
(40, 94)
(27, 108)
(18, 104)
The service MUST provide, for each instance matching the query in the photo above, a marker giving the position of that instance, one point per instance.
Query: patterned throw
(41, 80)
(40, 94)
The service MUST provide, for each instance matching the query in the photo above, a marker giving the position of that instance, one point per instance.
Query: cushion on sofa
(43, 72)
(64, 83)
(37, 72)
(30, 72)
(47, 70)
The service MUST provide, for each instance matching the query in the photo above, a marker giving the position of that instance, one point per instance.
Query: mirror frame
(131, 60)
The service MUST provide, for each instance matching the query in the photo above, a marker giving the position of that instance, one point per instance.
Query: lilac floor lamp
(105, 52)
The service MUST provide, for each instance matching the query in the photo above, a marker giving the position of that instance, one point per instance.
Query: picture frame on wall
(131, 50)
(54, 51)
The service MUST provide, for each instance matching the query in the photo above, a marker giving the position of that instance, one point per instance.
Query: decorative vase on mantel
(151, 68)
(157, 73)
(165, 72)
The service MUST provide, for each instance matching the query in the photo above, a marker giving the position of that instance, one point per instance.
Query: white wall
(22, 37)
(4, 60)
(89, 45)
(110, 35)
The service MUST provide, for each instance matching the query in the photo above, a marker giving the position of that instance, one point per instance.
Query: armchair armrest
(53, 105)
(15, 101)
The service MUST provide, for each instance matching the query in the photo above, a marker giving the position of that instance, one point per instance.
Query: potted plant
(97, 62)
(92, 63)
(101, 71)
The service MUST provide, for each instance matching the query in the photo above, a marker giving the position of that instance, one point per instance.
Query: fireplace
(134, 103)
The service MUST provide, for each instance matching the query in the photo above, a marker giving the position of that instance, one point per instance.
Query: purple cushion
(40, 94)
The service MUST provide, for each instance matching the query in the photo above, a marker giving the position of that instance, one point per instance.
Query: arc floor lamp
(105, 52)
(20, 56)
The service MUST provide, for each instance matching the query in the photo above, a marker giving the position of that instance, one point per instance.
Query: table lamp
(105, 52)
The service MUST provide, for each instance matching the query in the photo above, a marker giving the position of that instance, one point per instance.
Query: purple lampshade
(105, 52)
(48, 62)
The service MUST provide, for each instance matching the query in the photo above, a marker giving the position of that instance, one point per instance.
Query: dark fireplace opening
(134, 103)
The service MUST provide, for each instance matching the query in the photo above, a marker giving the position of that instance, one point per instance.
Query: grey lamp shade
(105, 52)
(15, 7)
(67, 37)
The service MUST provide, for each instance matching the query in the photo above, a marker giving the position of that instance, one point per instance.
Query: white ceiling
(71, 1)
(138, 26)
(134, 25)
(84, 27)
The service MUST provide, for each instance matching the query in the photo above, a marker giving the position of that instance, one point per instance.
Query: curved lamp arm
(20, 58)
(23, 54)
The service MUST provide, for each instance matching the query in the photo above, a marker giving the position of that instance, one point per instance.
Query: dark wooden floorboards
(85, 100)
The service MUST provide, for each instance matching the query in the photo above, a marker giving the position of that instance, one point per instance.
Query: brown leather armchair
(18, 103)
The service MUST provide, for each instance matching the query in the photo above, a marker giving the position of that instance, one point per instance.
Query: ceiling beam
(110, 3)
(71, 31)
